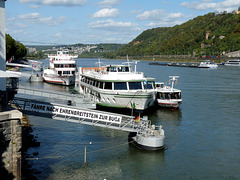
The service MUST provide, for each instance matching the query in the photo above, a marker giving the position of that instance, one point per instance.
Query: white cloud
(28, 1)
(113, 25)
(103, 13)
(34, 6)
(164, 23)
(154, 14)
(57, 2)
(58, 35)
(158, 14)
(226, 5)
(36, 18)
(109, 3)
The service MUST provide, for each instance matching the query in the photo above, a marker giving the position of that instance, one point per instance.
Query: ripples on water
(202, 137)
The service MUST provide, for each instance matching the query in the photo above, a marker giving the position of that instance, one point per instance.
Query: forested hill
(211, 33)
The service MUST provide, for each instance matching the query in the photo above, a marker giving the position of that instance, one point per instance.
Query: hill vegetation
(211, 34)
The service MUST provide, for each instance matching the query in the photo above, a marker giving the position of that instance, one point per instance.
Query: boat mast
(173, 79)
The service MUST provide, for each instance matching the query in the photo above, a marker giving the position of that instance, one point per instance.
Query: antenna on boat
(99, 63)
(135, 62)
(173, 79)
(128, 61)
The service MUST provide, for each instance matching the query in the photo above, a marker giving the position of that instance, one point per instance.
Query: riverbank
(28, 140)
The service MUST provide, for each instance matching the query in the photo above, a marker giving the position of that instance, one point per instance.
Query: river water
(202, 137)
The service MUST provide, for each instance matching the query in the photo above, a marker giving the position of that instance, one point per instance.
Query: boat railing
(97, 69)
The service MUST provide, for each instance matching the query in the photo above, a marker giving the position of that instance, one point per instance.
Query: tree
(10, 47)
(21, 51)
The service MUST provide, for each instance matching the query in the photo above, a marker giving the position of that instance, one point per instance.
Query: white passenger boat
(61, 70)
(208, 64)
(167, 96)
(233, 62)
(117, 86)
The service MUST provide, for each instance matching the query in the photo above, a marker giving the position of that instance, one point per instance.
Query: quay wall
(10, 144)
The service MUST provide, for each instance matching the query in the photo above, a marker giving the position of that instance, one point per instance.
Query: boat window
(90, 81)
(148, 85)
(60, 73)
(111, 69)
(96, 84)
(72, 65)
(101, 85)
(120, 86)
(125, 69)
(108, 85)
(135, 85)
(73, 72)
(87, 80)
(83, 79)
(66, 72)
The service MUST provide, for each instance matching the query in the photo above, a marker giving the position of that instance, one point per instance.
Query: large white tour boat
(167, 96)
(117, 86)
(61, 70)
(233, 62)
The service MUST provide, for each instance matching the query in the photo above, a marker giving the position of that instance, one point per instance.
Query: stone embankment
(15, 139)
(10, 144)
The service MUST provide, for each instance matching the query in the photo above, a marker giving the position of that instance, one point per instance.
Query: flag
(176, 82)
(137, 119)
(133, 105)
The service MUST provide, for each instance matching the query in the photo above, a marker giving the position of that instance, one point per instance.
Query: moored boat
(35, 78)
(117, 86)
(233, 62)
(167, 96)
(61, 70)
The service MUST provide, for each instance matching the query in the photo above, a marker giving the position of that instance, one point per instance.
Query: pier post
(85, 155)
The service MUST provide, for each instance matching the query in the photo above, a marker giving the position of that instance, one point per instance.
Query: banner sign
(64, 111)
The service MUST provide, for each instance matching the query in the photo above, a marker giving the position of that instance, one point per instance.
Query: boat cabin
(118, 68)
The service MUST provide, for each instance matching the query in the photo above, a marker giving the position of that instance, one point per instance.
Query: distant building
(236, 12)
(32, 50)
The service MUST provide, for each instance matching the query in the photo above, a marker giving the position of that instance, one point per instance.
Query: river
(202, 136)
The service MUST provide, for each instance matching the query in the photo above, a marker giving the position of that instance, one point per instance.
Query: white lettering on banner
(51, 109)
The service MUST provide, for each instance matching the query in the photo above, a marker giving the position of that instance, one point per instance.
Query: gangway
(78, 100)
(142, 133)
(18, 65)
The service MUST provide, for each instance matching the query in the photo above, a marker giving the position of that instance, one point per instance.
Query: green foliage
(13, 48)
(223, 35)
(21, 51)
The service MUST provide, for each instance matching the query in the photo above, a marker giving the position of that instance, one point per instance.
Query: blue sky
(100, 21)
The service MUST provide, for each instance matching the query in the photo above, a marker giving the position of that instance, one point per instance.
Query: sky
(54, 22)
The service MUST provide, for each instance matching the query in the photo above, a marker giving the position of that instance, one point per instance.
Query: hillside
(211, 34)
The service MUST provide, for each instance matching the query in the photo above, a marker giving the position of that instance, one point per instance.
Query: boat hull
(62, 80)
(169, 103)
(36, 78)
(127, 100)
